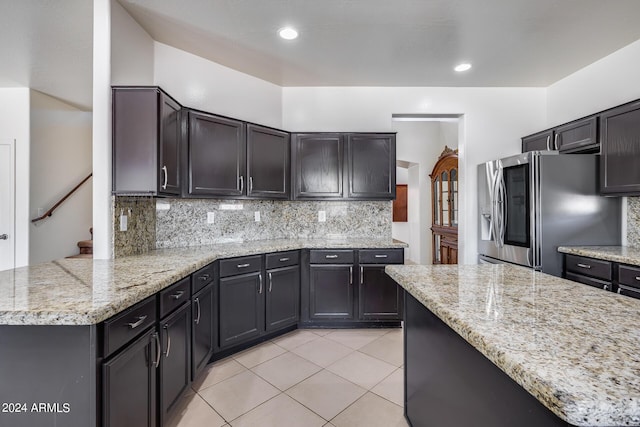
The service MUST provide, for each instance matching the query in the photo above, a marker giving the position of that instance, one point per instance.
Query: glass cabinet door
(444, 199)
(437, 201)
(454, 198)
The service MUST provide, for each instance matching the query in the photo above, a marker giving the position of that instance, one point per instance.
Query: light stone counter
(622, 254)
(86, 292)
(573, 347)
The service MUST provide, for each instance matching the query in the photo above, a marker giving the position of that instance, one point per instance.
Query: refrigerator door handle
(503, 211)
(495, 217)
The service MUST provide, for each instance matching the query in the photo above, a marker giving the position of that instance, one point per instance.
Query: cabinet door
(371, 167)
(379, 296)
(577, 136)
(241, 307)
(203, 332)
(170, 137)
(538, 142)
(268, 152)
(129, 385)
(620, 140)
(283, 285)
(331, 291)
(318, 160)
(175, 363)
(217, 157)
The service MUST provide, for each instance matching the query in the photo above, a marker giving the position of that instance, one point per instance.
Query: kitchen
(494, 118)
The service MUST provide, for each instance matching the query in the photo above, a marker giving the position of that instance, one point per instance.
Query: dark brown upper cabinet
(318, 162)
(578, 136)
(268, 152)
(538, 142)
(147, 139)
(332, 166)
(620, 152)
(216, 156)
(371, 166)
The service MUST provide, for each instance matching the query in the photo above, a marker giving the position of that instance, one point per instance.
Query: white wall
(131, 50)
(205, 85)
(608, 82)
(14, 124)
(60, 159)
(494, 120)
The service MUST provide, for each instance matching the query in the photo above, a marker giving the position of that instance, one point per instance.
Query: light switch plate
(322, 216)
(256, 215)
(211, 217)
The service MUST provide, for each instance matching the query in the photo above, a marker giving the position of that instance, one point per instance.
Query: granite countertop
(86, 291)
(622, 254)
(574, 347)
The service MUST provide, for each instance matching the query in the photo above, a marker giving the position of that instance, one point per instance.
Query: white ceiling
(47, 45)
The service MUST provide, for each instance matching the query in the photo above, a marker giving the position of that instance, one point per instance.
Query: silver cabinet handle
(139, 322)
(156, 337)
(331, 256)
(351, 275)
(587, 266)
(204, 277)
(361, 275)
(243, 265)
(548, 141)
(241, 183)
(166, 328)
(177, 295)
(381, 256)
(166, 177)
(250, 184)
(260, 277)
(619, 289)
(270, 282)
(197, 301)
(287, 259)
(605, 287)
(555, 142)
(637, 277)
(4, 236)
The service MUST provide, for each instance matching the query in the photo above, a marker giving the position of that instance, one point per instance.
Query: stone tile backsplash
(633, 222)
(185, 222)
(140, 236)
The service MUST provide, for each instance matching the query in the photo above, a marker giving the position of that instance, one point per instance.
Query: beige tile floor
(306, 378)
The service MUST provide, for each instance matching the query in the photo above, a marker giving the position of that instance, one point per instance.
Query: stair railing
(61, 201)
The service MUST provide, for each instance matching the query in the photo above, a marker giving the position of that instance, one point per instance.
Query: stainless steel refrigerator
(531, 203)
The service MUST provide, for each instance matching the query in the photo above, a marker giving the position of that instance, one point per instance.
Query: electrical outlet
(256, 215)
(211, 217)
(123, 222)
(322, 216)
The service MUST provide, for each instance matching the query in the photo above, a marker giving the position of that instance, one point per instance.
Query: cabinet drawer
(381, 256)
(203, 277)
(241, 265)
(588, 266)
(327, 256)
(174, 296)
(597, 283)
(282, 259)
(629, 291)
(628, 275)
(129, 324)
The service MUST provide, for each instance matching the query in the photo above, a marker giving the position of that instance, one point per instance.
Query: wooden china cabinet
(444, 190)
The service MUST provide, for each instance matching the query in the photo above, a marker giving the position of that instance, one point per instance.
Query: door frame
(12, 196)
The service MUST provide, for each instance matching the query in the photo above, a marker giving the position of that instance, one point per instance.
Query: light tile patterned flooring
(306, 378)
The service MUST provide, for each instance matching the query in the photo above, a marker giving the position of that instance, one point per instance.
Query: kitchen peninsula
(62, 327)
(481, 341)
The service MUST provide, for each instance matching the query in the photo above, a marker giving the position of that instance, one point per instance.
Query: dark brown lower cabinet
(379, 296)
(331, 291)
(241, 308)
(202, 334)
(281, 299)
(129, 384)
(175, 363)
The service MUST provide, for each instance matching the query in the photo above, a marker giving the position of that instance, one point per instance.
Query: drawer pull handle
(606, 287)
(637, 277)
(587, 266)
(381, 256)
(243, 265)
(619, 289)
(331, 256)
(287, 259)
(204, 277)
(139, 322)
(197, 301)
(177, 295)
(156, 337)
(166, 328)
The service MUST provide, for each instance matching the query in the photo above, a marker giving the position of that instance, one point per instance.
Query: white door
(7, 204)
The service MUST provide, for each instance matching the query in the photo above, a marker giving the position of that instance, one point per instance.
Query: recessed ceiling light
(462, 67)
(288, 33)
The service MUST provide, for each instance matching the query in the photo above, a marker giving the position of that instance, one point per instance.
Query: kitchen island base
(450, 383)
